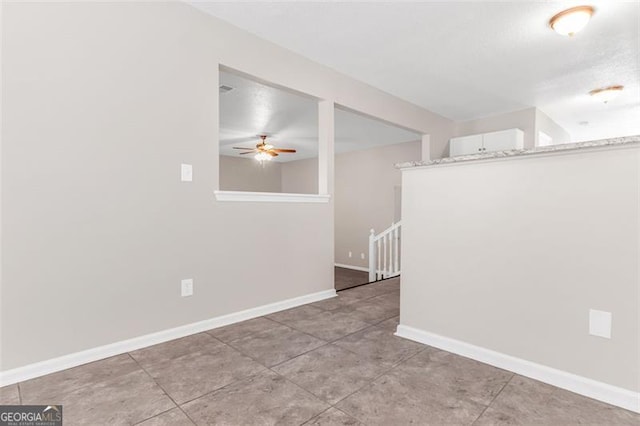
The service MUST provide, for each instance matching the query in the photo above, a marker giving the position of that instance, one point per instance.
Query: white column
(215, 140)
(426, 147)
(326, 136)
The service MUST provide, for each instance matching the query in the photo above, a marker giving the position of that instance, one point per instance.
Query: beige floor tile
(340, 301)
(295, 314)
(276, 345)
(379, 345)
(263, 399)
(43, 389)
(372, 312)
(390, 400)
(242, 329)
(330, 372)
(9, 395)
(127, 399)
(333, 417)
(526, 401)
(174, 417)
(454, 375)
(330, 325)
(201, 342)
(196, 374)
(391, 324)
(392, 299)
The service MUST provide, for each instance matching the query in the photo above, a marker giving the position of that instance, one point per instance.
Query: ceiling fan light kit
(264, 151)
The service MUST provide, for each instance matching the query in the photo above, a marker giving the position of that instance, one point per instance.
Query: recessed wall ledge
(270, 197)
(625, 141)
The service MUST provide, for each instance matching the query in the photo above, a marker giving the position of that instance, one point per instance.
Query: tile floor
(334, 362)
(346, 278)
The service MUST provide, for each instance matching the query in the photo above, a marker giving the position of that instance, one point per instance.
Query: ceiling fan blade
(248, 152)
(239, 147)
(271, 153)
(283, 150)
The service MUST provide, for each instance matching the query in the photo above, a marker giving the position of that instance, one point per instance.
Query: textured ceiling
(466, 60)
(291, 121)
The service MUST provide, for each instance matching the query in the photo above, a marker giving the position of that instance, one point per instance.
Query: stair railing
(384, 253)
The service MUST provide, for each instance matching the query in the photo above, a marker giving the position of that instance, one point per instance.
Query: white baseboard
(94, 354)
(581, 385)
(355, 268)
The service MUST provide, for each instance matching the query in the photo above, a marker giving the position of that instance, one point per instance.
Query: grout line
(241, 322)
(317, 415)
(163, 390)
(370, 382)
(494, 398)
(154, 416)
(270, 368)
(19, 393)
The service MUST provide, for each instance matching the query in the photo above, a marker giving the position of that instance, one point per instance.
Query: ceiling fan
(264, 151)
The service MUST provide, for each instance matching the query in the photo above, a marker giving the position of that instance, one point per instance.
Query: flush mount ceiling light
(606, 94)
(570, 21)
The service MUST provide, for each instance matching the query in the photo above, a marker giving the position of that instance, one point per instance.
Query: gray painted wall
(300, 177)
(101, 103)
(246, 174)
(365, 196)
(510, 255)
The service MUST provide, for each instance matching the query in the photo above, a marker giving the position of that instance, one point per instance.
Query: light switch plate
(600, 323)
(186, 172)
(361, 255)
(350, 254)
(186, 287)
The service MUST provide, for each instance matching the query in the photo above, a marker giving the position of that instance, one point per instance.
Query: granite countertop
(612, 142)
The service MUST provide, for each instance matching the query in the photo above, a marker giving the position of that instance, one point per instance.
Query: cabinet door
(503, 140)
(465, 145)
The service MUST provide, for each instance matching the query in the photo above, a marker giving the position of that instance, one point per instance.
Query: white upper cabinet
(503, 140)
(465, 145)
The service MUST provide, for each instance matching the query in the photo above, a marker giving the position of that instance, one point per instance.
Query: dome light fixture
(570, 21)
(606, 94)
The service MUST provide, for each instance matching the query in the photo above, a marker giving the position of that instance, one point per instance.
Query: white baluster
(372, 256)
(385, 273)
(378, 268)
(396, 257)
(390, 269)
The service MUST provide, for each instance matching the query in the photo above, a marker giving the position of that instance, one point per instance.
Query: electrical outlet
(362, 256)
(186, 172)
(600, 323)
(187, 287)
(350, 254)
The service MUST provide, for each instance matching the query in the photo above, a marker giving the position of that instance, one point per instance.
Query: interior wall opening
(367, 188)
(268, 137)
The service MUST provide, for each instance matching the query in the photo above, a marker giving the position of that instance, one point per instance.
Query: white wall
(510, 255)
(365, 196)
(545, 124)
(246, 174)
(101, 103)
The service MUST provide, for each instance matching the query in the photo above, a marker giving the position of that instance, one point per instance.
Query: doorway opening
(368, 191)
